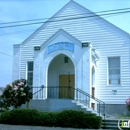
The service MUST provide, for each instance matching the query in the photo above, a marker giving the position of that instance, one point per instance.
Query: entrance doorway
(61, 75)
(66, 86)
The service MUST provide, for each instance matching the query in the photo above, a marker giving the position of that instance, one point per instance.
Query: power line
(66, 19)
(63, 16)
(18, 32)
(6, 54)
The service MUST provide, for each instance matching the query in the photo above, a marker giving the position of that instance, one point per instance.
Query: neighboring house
(1, 90)
(80, 51)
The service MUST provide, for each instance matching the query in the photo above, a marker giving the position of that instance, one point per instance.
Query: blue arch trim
(60, 46)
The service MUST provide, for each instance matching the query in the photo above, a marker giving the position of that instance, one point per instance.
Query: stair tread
(110, 125)
(110, 122)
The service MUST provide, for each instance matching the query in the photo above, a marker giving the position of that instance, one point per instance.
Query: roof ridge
(112, 26)
(104, 20)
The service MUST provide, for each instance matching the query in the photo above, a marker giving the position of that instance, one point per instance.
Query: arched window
(93, 76)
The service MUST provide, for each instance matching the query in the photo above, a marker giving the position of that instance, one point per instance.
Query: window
(114, 70)
(66, 59)
(93, 77)
(30, 73)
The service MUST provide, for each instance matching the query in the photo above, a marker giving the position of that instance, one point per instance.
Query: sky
(21, 10)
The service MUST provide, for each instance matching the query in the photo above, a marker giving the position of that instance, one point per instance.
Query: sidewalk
(20, 127)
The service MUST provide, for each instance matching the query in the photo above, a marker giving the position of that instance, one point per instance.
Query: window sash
(30, 66)
(30, 73)
(114, 70)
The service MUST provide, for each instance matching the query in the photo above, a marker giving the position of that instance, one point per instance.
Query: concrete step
(85, 108)
(112, 124)
(55, 105)
(58, 105)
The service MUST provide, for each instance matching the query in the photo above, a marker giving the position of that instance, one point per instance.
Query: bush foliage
(128, 103)
(66, 118)
(16, 93)
(78, 119)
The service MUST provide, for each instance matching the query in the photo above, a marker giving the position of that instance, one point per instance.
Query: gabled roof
(50, 19)
(86, 11)
(101, 19)
(64, 33)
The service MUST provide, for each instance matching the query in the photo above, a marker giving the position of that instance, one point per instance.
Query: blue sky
(17, 10)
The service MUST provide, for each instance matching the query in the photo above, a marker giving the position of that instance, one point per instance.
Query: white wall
(108, 40)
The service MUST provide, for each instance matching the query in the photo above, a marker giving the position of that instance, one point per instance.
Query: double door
(66, 86)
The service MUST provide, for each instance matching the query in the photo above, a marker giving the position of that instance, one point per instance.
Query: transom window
(114, 70)
(30, 73)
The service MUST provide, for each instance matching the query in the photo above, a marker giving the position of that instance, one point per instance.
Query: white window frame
(27, 70)
(108, 71)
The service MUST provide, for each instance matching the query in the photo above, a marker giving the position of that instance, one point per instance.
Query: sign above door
(60, 46)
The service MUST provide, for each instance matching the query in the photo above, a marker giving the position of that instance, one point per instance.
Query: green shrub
(41, 119)
(50, 119)
(66, 118)
(5, 117)
(70, 118)
(20, 116)
(78, 119)
(25, 116)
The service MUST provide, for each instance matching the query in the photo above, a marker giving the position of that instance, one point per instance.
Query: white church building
(74, 52)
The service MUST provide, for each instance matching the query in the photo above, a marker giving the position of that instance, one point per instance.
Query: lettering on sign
(61, 46)
(123, 124)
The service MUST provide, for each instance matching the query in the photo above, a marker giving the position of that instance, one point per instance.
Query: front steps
(58, 105)
(82, 106)
(52, 104)
(63, 104)
(111, 124)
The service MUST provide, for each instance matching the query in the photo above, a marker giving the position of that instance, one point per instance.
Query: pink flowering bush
(128, 103)
(16, 93)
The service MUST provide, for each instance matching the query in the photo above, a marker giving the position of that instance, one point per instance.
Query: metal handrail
(90, 95)
(93, 98)
(37, 91)
(72, 93)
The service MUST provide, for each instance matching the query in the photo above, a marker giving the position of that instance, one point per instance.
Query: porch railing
(70, 93)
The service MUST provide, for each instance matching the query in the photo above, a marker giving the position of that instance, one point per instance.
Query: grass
(122, 117)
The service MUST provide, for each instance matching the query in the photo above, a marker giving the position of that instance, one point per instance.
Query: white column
(36, 76)
(86, 69)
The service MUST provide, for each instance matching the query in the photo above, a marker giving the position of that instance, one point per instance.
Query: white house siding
(114, 47)
(107, 40)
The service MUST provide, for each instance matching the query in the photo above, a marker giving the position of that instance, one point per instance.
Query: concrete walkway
(20, 127)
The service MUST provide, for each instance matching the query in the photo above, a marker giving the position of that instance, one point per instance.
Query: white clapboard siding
(107, 40)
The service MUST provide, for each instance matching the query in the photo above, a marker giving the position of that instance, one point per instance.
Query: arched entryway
(61, 77)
